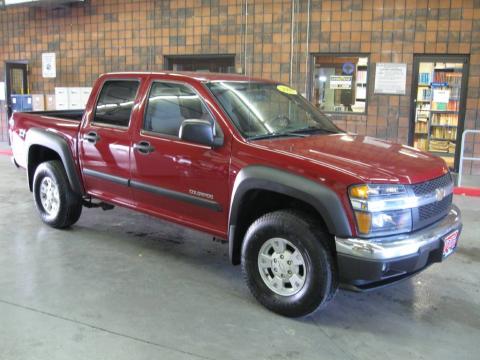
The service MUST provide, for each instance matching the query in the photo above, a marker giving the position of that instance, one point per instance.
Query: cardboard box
(38, 102)
(50, 102)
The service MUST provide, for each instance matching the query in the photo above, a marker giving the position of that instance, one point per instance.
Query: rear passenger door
(105, 139)
(178, 180)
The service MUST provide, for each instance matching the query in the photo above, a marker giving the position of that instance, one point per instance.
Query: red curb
(6, 152)
(466, 191)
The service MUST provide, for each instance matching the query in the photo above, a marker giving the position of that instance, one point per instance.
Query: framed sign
(49, 67)
(390, 78)
(340, 82)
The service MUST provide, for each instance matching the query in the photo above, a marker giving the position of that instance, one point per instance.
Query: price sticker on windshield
(287, 90)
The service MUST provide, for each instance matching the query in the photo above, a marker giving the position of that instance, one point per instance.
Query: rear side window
(171, 103)
(115, 102)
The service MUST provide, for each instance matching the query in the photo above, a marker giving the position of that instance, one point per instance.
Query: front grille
(429, 186)
(430, 213)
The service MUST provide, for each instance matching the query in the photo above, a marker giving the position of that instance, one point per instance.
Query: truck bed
(61, 114)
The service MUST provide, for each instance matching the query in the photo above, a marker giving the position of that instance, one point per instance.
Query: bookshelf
(437, 108)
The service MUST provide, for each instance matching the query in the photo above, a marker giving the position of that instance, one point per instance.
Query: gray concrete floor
(120, 285)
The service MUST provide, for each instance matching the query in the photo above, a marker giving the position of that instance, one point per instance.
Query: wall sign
(441, 96)
(49, 67)
(390, 78)
(340, 82)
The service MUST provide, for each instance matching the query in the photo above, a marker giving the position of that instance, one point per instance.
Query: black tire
(312, 241)
(70, 203)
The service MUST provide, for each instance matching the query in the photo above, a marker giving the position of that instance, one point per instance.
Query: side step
(88, 203)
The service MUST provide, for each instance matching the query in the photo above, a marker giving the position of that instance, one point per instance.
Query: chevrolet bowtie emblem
(439, 194)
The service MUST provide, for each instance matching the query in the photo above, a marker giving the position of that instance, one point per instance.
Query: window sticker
(287, 90)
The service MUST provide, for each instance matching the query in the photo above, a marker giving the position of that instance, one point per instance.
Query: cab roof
(199, 76)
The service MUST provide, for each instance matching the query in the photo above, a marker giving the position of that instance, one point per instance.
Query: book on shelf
(439, 145)
(443, 133)
(361, 77)
(445, 119)
(424, 78)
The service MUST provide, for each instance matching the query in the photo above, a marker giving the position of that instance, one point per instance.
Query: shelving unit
(437, 108)
(361, 83)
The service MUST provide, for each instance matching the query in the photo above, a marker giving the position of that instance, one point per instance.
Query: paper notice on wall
(49, 66)
(441, 96)
(390, 78)
(340, 82)
(2, 91)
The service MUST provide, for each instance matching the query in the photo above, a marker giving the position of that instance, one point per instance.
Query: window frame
(167, 136)
(310, 86)
(113, 126)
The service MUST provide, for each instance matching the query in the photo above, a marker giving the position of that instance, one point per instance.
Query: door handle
(91, 137)
(144, 147)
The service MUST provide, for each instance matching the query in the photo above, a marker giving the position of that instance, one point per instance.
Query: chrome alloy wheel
(282, 266)
(49, 196)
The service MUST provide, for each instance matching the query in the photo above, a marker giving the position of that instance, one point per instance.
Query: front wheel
(57, 204)
(287, 263)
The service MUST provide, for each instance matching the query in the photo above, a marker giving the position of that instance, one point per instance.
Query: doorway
(16, 83)
(438, 105)
(201, 63)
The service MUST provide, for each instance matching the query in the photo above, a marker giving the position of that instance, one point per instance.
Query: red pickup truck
(304, 206)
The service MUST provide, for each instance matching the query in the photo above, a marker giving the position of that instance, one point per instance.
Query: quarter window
(115, 102)
(171, 103)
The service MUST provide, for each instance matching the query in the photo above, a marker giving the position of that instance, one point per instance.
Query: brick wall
(118, 35)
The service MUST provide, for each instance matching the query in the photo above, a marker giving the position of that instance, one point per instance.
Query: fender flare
(59, 145)
(324, 200)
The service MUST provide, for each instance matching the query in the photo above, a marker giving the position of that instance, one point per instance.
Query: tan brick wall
(118, 35)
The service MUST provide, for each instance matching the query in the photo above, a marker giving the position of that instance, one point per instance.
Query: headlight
(381, 209)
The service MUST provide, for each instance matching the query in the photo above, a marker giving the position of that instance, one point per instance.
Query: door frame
(22, 64)
(417, 59)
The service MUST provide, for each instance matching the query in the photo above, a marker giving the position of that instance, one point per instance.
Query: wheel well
(38, 154)
(256, 203)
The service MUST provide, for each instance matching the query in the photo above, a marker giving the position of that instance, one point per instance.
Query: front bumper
(364, 264)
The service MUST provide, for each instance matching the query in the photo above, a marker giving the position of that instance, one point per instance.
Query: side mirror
(199, 132)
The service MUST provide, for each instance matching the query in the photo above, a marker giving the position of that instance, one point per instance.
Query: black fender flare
(59, 145)
(256, 177)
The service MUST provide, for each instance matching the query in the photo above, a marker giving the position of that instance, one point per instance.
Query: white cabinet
(75, 98)
(85, 94)
(61, 98)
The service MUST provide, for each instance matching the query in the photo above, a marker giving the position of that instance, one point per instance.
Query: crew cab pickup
(305, 207)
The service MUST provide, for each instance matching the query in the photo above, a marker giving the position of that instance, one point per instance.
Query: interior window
(115, 103)
(171, 103)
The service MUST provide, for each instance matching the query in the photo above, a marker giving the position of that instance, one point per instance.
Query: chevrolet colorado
(304, 206)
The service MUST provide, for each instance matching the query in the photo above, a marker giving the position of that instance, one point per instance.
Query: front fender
(324, 200)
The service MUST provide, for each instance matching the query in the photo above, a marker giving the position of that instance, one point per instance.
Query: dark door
(438, 105)
(201, 63)
(16, 81)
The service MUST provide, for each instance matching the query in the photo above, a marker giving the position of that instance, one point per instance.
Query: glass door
(438, 106)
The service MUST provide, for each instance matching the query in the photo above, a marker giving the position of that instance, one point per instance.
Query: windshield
(262, 110)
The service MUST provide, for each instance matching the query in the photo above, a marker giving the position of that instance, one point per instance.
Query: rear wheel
(57, 204)
(287, 263)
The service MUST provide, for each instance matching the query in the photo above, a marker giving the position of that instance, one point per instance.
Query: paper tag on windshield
(287, 90)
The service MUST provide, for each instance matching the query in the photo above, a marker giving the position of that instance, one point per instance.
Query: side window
(115, 102)
(169, 104)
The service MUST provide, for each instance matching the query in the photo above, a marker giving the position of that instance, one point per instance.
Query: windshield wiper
(274, 135)
(313, 129)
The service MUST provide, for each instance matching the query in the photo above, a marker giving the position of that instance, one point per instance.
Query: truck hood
(363, 157)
